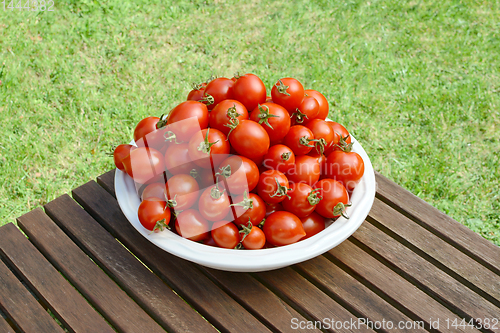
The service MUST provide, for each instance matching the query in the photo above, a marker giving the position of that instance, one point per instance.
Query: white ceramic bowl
(255, 260)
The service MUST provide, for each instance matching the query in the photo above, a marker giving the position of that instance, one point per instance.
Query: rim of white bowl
(255, 260)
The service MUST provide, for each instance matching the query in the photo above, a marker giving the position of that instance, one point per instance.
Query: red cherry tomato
(197, 92)
(218, 90)
(313, 224)
(189, 117)
(323, 133)
(306, 170)
(288, 92)
(208, 148)
(120, 153)
(342, 138)
(143, 164)
(345, 167)
(306, 111)
(334, 198)
(214, 204)
(303, 200)
(273, 118)
(240, 173)
(249, 207)
(250, 91)
(279, 157)
(153, 214)
(225, 234)
(273, 186)
(177, 159)
(283, 228)
(322, 101)
(223, 112)
(300, 139)
(146, 134)
(273, 207)
(154, 190)
(191, 225)
(252, 237)
(182, 190)
(249, 139)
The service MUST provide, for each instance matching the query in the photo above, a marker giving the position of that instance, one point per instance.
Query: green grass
(418, 83)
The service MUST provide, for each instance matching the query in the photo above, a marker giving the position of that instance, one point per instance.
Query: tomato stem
(162, 122)
(313, 197)
(215, 193)
(305, 141)
(286, 156)
(171, 202)
(233, 123)
(160, 226)
(245, 230)
(246, 203)
(206, 146)
(170, 136)
(264, 115)
(232, 113)
(339, 209)
(282, 88)
(281, 190)
(343, 145)
(208, 99)
(261, 224)
(299, 116)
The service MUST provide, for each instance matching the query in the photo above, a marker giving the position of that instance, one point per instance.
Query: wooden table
(84, 268)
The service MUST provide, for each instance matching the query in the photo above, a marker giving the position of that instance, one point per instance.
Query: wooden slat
(46, 282)
(438, 223)
(340, 285)
(5, 327)
(395, 289)
(434, 249)
(307, 298)
(256, 298)
(214, 304)
(144, 287)
(425, 275)
(21, 307)
(107, 181)
(104, 294)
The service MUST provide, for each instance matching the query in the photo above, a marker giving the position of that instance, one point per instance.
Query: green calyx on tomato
(193, 173)
(286, 156)
(224, 171)
(246, 203)
(160, 226)
(171, 202)
(305, 141)
(232, 113)
(299, 116)
(206, 146)
(245, 230)
(264, 115)
(343, 145)
(233, 123)
(282, 88)
(215, 193)
(207, 99)
(280, 190)
(169, 136)
(339, 209)
(313, 197)
(261, 224)
(320, 146)
(162, 122)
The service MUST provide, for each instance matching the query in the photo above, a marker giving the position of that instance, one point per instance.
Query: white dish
(255, 260)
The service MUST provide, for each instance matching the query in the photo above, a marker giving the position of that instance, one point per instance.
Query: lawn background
(417, 83)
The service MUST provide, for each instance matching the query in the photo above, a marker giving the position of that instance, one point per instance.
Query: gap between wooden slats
(433, 249)
(213, 303)
(437, 222)
(47, 283)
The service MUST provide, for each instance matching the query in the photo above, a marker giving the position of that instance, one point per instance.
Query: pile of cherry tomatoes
(235, 168)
